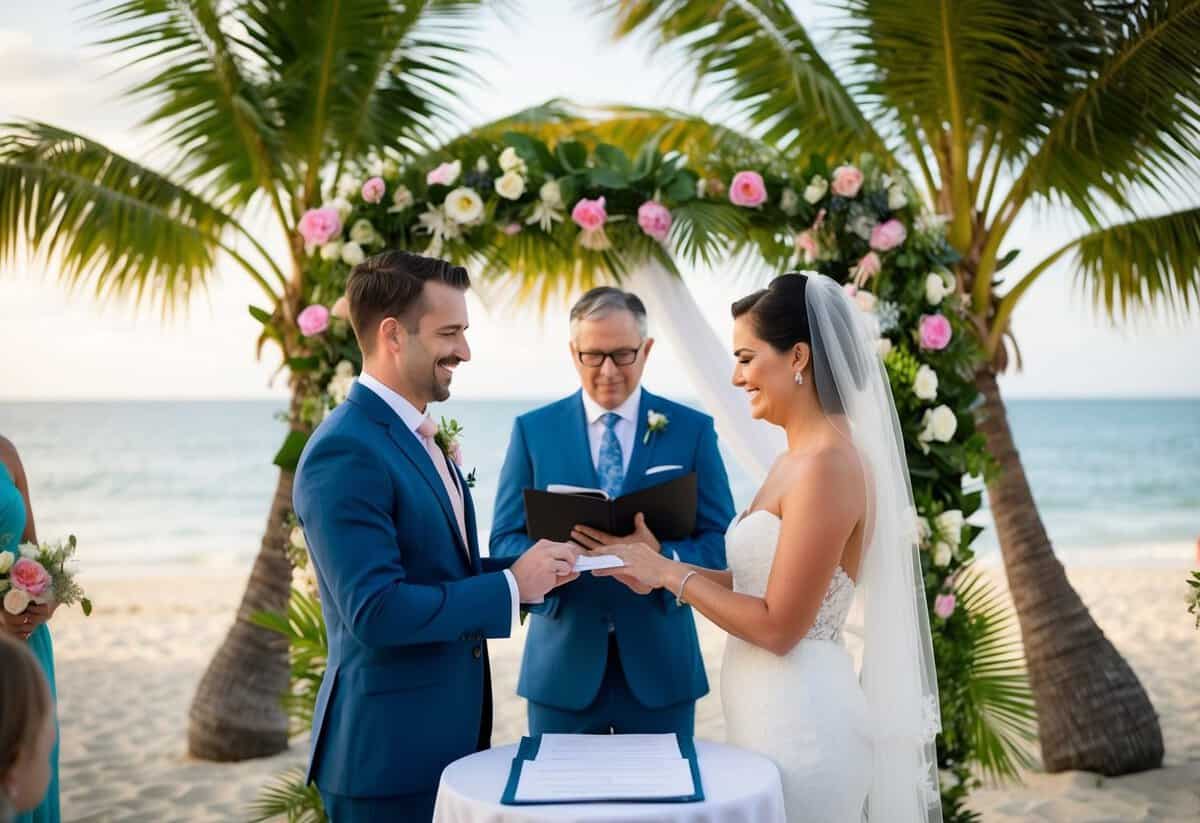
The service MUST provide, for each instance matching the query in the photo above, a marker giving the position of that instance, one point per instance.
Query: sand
(127, 674)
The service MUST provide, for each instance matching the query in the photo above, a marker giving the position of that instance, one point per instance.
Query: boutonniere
(449, 432)
(655, 422)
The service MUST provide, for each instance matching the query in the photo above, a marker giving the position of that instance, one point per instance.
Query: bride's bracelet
(679, 597)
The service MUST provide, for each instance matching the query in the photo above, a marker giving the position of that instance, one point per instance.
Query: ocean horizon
(159, 484)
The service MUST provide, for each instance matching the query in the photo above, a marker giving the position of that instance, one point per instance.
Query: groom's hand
(543, 567)
(595, 539)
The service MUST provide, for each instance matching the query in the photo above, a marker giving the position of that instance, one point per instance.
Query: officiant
(603, 656)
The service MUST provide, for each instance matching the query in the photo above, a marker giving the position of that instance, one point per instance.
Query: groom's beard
(442, 375)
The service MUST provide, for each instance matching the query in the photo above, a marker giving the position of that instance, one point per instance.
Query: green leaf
(86, 605)
(261, 315)
(1006, 259)
(614, 158)
(304, 364)
(607, 178)
(572, 154)
(288, 455)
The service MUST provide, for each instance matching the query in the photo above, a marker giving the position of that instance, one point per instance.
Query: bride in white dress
(833, 519)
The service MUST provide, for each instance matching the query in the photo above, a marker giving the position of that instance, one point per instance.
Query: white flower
(545, 215)
(463, 205)
(655, 422)
(297, 538)
(925, 384)
(938, 424)
(942, 554)
(343, 207)
(435, 222)
(949, 525)
(510, 186)
(402, 199)
(16, 601)
(896, 198)
(344, 369)
(29, 550)
(789, 202)
(883, 346)
(375, 167)
(332, 251)
(511, 161)
(348, 187)
(551, 194)
(816, 189)
(363, 233)
(865, 300)
(924, 530)
(481, 164)
(339, 387)
(6, 561)
(861, 224)
(931, 223)
(389, 170)
(935, 288)
(701, 188)
(352, 254)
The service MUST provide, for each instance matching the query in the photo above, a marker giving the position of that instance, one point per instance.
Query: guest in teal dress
(17, 527)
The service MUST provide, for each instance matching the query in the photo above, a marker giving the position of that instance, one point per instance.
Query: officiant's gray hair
(603, 301)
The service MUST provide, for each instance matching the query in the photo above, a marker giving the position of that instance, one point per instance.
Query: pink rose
(30, 577)
(589, 215)
(445, 174)
(373, 189)
(847, 180)
(887, 236)
(655, 219)
(943, 605)
(869, 266)
(313, 320)
(807, 246)
(747, 189)
(341, 308)
(319, 226)
(935, 332)
(512, 228)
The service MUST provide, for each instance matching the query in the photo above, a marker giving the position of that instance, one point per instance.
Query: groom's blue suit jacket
(407, 606)
(566, 650)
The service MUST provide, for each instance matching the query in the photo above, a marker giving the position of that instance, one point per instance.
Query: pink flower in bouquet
(319, 226)
(589, 215)
(445, 174)
(807, 246)
(943, 605)
(30, 577)
(850, 289)
(747, 189)
(935, 332)
(373, 189)
(887, 236)
(313, 320)
(512, 228)
(820, 221)
(869, 266)
(655, 219)
(847, 180)
(341, 308)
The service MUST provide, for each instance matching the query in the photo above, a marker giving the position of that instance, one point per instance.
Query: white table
(739, 787)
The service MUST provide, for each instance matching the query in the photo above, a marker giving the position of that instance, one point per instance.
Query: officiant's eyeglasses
(620, 357)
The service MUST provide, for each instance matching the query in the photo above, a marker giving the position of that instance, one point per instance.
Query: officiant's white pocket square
(657, 469)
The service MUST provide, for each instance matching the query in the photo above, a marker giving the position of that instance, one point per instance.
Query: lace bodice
(750, 548)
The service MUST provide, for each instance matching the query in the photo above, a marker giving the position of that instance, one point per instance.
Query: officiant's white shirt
(625, 429)
(412, 417)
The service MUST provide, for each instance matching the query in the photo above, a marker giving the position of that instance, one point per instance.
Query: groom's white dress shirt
(625, 428)
(412, 417)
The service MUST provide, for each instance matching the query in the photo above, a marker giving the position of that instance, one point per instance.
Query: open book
(670, 510)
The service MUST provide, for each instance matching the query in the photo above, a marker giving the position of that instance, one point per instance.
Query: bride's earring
(799, 378)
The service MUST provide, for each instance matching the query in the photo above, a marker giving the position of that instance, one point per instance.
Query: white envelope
(657, 469)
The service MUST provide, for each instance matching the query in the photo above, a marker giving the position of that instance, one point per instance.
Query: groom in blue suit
(407, 600)
(600, 658)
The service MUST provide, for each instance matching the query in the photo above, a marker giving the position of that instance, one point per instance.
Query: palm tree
(260, 104)
(998, 107)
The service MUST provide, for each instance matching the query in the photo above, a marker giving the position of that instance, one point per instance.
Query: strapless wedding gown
(804, 710)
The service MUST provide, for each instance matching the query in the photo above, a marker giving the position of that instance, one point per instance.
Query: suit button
(477, 652)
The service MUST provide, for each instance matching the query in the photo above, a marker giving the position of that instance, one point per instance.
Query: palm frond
(308, 652)
(759, 56)
(289, 796)
(106, 219)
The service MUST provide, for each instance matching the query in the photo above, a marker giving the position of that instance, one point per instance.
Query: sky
(63, 345)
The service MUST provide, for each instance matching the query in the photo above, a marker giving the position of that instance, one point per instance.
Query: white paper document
(586, 563)
(566, 781)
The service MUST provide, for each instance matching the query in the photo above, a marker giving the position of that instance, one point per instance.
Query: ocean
(159, 485)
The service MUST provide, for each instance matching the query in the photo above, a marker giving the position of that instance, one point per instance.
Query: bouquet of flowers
(39, 574)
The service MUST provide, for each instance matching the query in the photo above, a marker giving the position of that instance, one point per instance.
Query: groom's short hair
(390, 284)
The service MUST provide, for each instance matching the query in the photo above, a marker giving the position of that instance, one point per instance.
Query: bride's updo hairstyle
(780, 314)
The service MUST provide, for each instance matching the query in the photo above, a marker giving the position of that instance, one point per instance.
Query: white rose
(789, 202)
(924, 530)
(6, 561)
(511, 185)
(883, 346)
(940, 424)
(942, 554)
(348, 187)
(16, 601)
(29, 550)
(331, 251)
(463, 205)
(402, 198)
(551, 194)
(701, 188)
(352, 254)
(481, 164)
(896, 197)
(511, 161)
(816, 189)
(297, 538)
(925, 384)
(344, 369)
(342, 206)
(339, 389)
(935, 288)
(390, 170)
(363, 233)
(949, 525)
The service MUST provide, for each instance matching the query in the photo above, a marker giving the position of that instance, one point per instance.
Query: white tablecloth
(739, 787)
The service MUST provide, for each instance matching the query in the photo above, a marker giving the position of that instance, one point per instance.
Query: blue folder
(528, 751)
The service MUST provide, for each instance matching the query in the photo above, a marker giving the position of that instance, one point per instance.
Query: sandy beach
(126, 676)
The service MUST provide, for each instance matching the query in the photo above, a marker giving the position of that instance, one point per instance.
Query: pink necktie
(427, 430)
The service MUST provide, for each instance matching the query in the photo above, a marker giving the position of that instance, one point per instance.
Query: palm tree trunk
(237, 713)
(1093, 713)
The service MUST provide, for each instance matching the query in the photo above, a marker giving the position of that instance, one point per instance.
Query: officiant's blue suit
(407, 609)
(599, 655)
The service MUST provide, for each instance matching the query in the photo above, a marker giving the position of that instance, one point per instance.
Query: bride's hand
(643, 566)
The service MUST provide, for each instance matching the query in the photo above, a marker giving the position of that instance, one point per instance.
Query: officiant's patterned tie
(611, 468)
